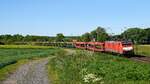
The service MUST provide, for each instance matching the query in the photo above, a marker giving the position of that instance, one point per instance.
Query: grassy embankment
(85, 67)
(142, 50)
(12, 56)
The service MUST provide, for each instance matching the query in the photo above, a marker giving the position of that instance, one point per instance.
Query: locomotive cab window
(126, 45)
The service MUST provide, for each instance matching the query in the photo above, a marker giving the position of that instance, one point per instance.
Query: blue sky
(71, 17)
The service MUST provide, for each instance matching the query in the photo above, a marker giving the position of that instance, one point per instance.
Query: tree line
(20, 39)
(10, 39)
(136, 35)
(99, 34)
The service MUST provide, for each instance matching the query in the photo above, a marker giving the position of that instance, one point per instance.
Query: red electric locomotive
(120, 47)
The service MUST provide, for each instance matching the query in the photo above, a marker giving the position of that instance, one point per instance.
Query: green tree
(86, 37)
(115, 38)
(147, 36)
(7, 38)
(135, 34)
(94, 35)
(60, 37)
(17, 38)
(99, 34)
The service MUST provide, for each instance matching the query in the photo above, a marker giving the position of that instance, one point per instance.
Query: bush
(96, 68)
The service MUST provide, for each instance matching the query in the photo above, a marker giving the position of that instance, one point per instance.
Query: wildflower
(91, 78)
(97, 79)
(86, 80)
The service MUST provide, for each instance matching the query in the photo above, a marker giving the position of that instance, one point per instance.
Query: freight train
(119, 47)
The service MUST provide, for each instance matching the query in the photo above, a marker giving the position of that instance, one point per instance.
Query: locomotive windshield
(126, 43)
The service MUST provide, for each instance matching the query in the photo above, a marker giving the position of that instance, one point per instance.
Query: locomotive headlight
(127, 48)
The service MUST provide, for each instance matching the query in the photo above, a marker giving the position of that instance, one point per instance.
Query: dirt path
(31, 73)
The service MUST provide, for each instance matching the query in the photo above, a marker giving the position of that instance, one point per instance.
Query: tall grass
(98, 68)
(10, 56)
(142, 49)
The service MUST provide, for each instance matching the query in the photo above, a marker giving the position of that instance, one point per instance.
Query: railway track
(139, 58)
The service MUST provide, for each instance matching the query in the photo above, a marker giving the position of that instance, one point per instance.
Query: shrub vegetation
(85, 67)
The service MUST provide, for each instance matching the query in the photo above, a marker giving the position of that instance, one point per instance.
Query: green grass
(4, 72)
(142, 50)
(10, 56)
(101, 68)
(52, 72)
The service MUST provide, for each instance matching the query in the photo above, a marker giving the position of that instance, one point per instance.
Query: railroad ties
(140, 58)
